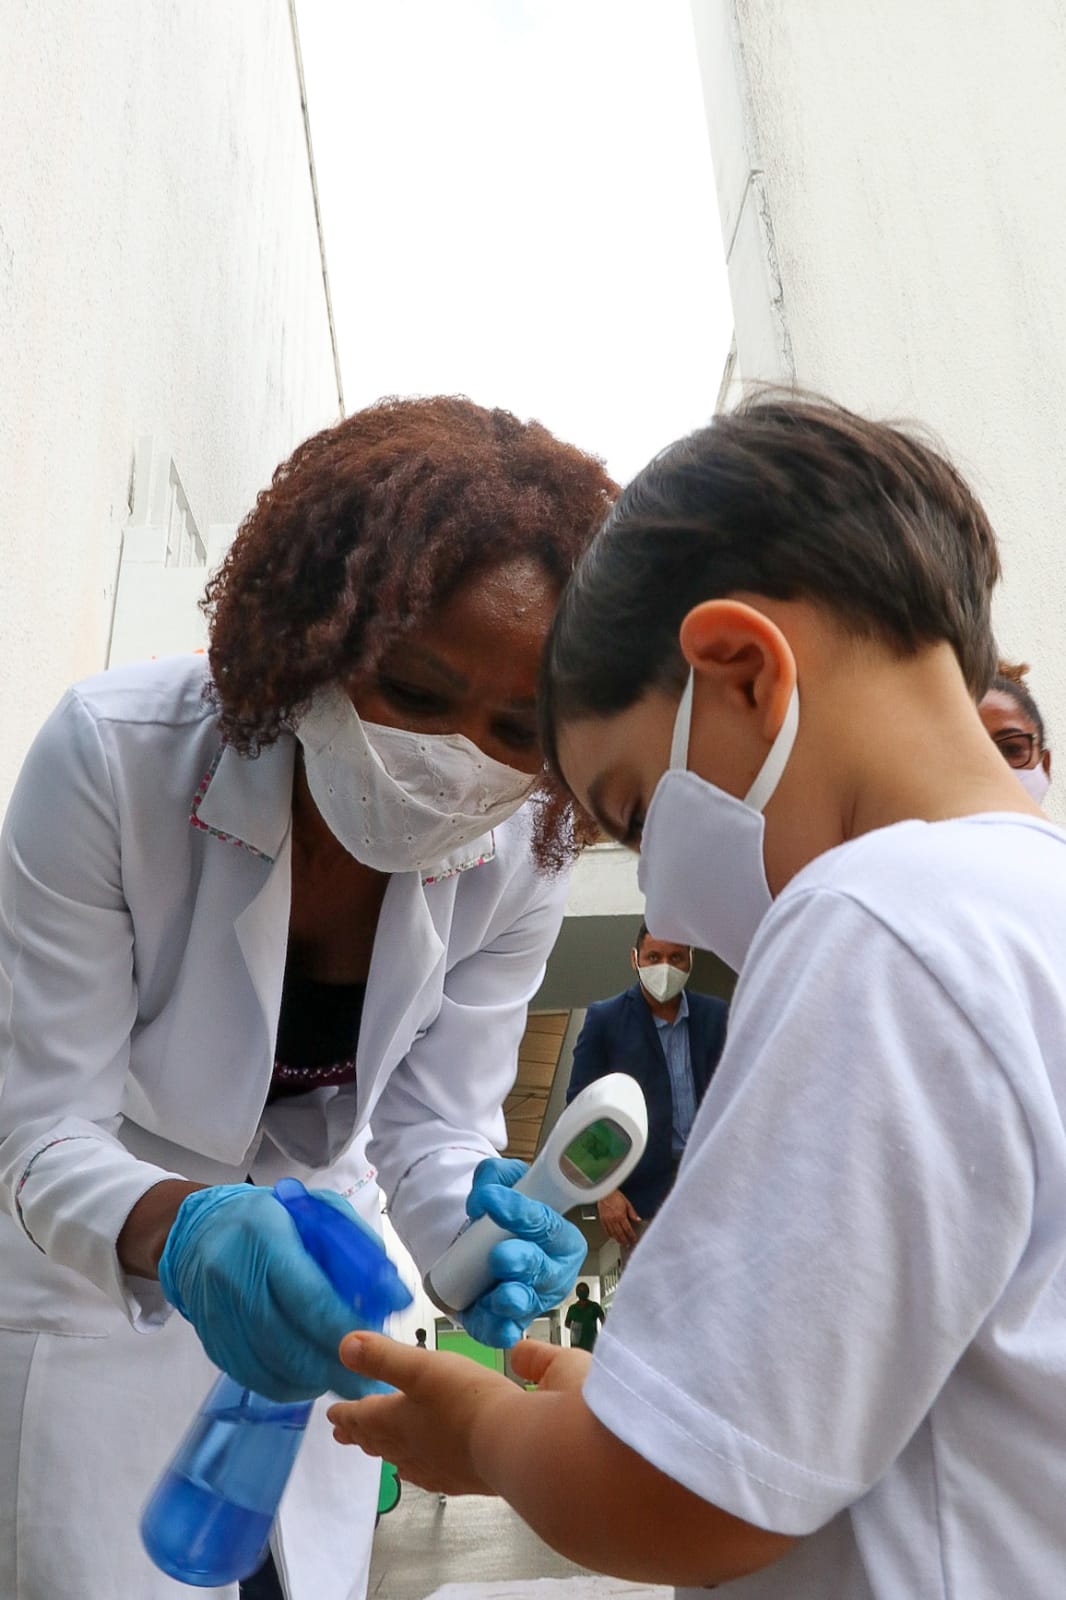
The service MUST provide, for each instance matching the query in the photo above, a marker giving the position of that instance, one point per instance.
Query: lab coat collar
(247, 801)
(474, 854)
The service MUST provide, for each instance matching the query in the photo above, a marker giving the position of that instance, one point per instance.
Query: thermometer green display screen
(595, 1152)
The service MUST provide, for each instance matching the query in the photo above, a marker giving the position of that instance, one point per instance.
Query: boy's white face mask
(400, 801)
(701, 855)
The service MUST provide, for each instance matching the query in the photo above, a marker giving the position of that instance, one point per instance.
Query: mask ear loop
(682, 727)
(769, 775)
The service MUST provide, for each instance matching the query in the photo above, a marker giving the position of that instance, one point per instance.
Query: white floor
(551, 1589)
(477, 1549)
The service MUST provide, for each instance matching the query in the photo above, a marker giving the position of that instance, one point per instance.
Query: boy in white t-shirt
(781, 634)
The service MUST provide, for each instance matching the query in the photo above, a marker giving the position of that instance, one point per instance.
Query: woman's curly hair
(367, 528)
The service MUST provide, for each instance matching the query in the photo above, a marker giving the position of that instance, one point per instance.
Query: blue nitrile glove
(235, 1268)
(536, 1269)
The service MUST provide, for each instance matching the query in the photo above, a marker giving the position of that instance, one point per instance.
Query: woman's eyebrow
(455, 680)
(439, 666)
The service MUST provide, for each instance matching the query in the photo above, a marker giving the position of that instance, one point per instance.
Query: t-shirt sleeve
(857, 1191)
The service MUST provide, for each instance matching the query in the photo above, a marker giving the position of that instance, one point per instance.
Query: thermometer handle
(594, 1146)
(463, 1272)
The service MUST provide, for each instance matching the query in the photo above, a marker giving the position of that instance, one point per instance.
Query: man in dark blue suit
(670, 1042)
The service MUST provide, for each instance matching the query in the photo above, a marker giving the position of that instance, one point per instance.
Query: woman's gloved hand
(536, 1269)
(265, 1313)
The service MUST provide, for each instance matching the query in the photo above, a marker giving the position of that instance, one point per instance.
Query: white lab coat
(144, 908)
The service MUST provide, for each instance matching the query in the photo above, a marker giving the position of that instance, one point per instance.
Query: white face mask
(1035, 782)
(400, 801)
(701, 855)
(663, 982)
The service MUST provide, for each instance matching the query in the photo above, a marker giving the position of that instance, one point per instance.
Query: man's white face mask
(701, 855)
(400, 801)
(662, 981)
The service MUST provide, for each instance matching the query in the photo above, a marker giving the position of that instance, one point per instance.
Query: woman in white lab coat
(250, 905)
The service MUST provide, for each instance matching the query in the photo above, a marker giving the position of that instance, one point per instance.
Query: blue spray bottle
(208, 1520)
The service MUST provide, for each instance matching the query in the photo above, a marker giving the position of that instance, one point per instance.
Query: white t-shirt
(848, 1321)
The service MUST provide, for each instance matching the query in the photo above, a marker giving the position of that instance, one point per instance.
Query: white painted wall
(604, 884)
(159, 274)
(889, 183)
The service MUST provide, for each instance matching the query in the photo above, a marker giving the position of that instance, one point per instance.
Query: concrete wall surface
(889, 182)
(159, 274)
(605, 884)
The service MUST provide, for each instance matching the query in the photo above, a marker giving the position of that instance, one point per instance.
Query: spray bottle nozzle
(353, 1260)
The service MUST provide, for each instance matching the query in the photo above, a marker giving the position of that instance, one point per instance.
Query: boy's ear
(744, 654)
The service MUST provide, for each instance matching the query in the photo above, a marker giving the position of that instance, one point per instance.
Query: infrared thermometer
(592, 1148)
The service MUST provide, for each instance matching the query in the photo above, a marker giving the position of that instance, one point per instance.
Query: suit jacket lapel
(697, 1045)
(647, 1022)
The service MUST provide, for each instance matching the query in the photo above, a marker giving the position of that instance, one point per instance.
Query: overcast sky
(519, 205)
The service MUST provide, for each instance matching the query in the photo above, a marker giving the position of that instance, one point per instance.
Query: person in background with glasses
(1012, 718)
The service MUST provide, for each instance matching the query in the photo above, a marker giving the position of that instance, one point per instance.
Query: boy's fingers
(362, 1422)
(345, 1430)
(373, 1355)
(531, 1359)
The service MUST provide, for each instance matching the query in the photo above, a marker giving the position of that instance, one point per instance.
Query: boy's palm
(425, 1427)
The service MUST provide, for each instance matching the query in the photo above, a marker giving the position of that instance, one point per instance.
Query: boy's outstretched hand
(445, 1402)
(458, 1428)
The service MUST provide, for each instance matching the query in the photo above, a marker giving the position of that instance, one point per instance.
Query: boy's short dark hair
(787, 497)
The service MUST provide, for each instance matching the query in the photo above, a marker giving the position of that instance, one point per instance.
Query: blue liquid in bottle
(209, 1518)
